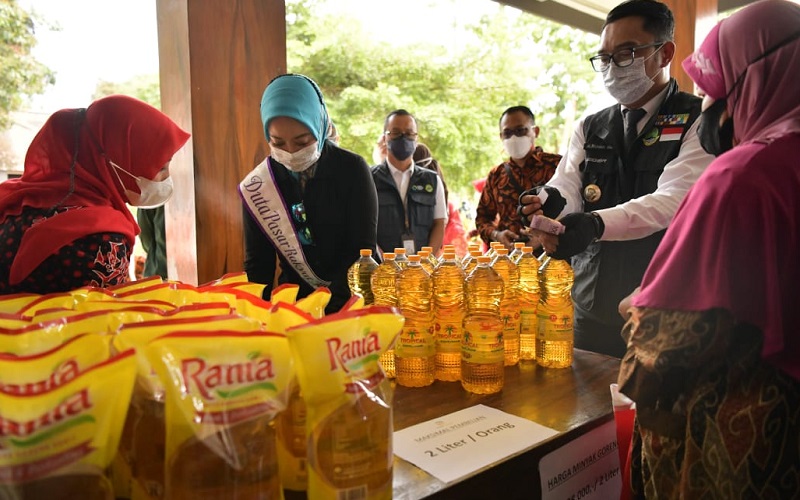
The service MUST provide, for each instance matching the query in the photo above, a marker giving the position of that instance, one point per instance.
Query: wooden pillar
(693, 20)
(215, 60)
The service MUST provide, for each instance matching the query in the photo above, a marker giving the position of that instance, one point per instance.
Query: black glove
(551, 208)
(580, 229)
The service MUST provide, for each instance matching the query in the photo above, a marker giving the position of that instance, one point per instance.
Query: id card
(408, 243)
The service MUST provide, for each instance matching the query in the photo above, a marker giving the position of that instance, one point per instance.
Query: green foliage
(21, 75)
(144, 87)
(457, 95)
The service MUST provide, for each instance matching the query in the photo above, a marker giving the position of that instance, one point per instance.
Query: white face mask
(629, 84)
(297, 161)
(153, 193)
(518, 147)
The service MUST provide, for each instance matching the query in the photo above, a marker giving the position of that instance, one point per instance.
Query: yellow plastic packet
(291, 424)
(13, 320)
(354, 303)
(40, 337)
(135, 285)
(286, 293)
(49, 301)
(144, 435)
(227, 279)
(14, 302)
(348, 402)
(223, 391)
(38, 373)
(58, 443)
(315, 302)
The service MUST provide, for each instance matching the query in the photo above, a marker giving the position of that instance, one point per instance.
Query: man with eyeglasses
(626, 171)
(496, 217)
(412, 212)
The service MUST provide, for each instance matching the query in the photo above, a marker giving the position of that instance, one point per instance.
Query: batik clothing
(99, 260)
(714, 336)
(713, 420)
(497, 208)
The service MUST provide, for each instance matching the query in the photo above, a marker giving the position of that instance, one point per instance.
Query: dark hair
(658, 19)
(398, 112)
(518, 109)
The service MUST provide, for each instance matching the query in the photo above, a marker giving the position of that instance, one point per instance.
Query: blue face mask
(402, 148)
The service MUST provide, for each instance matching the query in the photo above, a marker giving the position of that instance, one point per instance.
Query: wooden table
(571, 401)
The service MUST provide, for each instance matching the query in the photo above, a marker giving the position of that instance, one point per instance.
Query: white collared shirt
(402, 178)
(646, 214)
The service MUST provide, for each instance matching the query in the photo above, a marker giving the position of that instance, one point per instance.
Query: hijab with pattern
(65, 166)
(733, 243)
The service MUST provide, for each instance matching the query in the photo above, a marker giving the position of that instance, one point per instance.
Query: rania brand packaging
(223, 390)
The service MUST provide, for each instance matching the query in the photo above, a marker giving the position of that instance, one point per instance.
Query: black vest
(420, 201)
(615, 268)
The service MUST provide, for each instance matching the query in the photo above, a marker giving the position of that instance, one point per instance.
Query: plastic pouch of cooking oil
(144, 434)
(348, 401)
(223, 390)
(38, 373)
(56, 444)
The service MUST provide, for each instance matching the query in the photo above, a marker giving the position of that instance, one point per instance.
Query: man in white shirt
(412, 212)
(625, 172)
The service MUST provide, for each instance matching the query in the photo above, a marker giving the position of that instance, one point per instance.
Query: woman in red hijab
(65, 224)
(713, 358)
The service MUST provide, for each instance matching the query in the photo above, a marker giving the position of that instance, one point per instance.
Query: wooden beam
(693, 20)
(215, 60)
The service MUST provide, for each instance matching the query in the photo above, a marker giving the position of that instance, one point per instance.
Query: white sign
(586, 467)
(456, 445)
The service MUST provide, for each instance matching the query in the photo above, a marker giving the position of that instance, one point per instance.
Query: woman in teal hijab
(311, 203)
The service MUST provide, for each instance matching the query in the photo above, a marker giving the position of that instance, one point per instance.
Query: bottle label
(555, 325)
(528, 321)
(483, 343)
(415, 342)
(448, 336)
(510, 318)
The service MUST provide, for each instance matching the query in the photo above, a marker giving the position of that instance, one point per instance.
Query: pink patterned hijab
(767, 84)
(735, 240)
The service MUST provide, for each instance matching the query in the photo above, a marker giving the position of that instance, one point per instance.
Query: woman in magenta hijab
(713, 337)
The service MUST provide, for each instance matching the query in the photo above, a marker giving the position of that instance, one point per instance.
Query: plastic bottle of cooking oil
(384, 289)
(358, 275)
(431, 256)
(467, 256)
(449, 308)
(493, 246)
(482, 351)
(448, 249)
(517, 252)
(470, 262)
(415, 348)
(425, 261)
(509, 307)
(528, 299)
(400, 257)
(554, 337)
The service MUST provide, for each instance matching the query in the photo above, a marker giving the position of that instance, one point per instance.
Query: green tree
(144, 87)
(22, 75)
(456, 95)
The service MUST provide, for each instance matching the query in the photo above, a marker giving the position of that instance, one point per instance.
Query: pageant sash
(266, 206)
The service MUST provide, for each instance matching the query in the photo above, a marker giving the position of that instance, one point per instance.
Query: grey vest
(615, 268)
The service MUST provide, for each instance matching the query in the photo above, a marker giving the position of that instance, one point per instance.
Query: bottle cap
(365, 252)
(414, 258)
